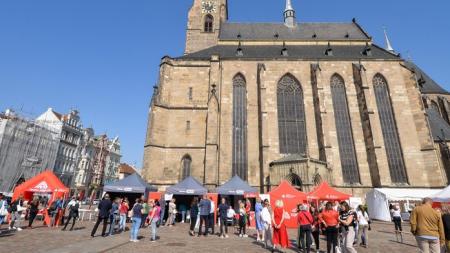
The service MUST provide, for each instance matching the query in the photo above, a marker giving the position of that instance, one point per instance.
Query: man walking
(427, 227)
(212, 221)
(205, 210)
(104, 208)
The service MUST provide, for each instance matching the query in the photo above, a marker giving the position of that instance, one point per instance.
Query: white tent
(442, 196)
(378, 199)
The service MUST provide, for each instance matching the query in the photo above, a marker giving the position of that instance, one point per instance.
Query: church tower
(289, 15)
(204, 20)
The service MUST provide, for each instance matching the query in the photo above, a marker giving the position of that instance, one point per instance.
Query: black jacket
(104, 208)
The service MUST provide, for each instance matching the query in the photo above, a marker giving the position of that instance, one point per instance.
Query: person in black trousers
(104, 209)
(73, 206)
(34, 210)
(205, 210)
(194, 214)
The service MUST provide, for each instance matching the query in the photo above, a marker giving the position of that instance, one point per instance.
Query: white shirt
(266, 216)
(396, 213)
(231, 213)
(363, 218)
(212, 207)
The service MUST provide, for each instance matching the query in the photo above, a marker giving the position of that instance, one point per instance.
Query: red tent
(291, 198)
(325, 192)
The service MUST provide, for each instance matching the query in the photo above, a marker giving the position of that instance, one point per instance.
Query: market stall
(132, 187)
(324, 192)
(45, 185)
(379, 199)
(291, 198)
(442, 196)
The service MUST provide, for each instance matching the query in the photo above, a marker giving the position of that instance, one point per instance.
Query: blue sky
(102, 56)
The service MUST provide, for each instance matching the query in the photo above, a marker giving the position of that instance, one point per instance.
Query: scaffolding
(27, 148)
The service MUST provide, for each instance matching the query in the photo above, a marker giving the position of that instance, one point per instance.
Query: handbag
(3, 210)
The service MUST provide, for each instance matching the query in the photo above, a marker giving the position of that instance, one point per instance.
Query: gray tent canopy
(189, 186)
(131, 184)
(235, 187)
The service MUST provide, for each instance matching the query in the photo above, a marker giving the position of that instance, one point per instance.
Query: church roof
(429, 86)
(303, 31)
(438, 125)
(309, 52)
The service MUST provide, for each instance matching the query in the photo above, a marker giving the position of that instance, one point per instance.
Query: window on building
(435, 106)
(344, 131)
(190, 92)
(209, 24)
(186, 166)
(389, 129)
(291, 116)
(239, 164)
(188, 125)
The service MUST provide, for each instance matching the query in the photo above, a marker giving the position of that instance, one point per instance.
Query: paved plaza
(172, 239)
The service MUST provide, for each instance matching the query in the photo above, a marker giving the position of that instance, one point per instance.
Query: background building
(126, 170)
(113, 161)
(27, 148)
(305, 102)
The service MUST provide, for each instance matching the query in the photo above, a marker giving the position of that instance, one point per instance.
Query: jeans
(105, 224)
(2, 218)
(211, 222)
(153, 226)
(205, 219)
(54, 219)
(123, 221)
(349, 238)
(302, 232)
(193, 223)
(316, 236)
(428, 246)
(223, 226)
(16, 218)
(332, 238)
(112, 223)
(135, 228)
(398, 223)
(363, 234)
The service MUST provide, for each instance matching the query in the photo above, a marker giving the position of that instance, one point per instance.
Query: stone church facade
(304, 102)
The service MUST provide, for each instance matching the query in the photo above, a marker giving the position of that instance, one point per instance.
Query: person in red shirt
(305, 220)
(330, 220)
(123, 212)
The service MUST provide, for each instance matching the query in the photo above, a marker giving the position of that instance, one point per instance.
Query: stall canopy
(235, 187)
(291, 198)
(189, 186)
(131, 184)
(325, 192)
(378, 199)
(46, 182)
(442, 196)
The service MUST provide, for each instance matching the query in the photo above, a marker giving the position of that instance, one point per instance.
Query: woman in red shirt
(330, 220)
(280, 235)
(123, 211)
(305, 220)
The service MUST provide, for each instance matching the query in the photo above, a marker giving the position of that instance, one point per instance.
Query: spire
(289, 14)
(388, 42)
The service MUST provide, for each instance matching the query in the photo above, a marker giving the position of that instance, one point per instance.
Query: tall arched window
(389, 129)
(344, 132)
(239, 166)
(186, 166)
(209, 24)
(291, 116)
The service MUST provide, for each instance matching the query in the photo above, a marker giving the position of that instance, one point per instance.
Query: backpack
(52, 206)
(74, 208)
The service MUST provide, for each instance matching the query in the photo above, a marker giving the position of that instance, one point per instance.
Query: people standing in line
(446, 223)
(33, 209)
(305, 221)
(397, 218)
(136, 219)
(172, 213)
(363, 221)
(145, 211)
(154, 217)
(242, 220)
(194, 212)
(280, 235)
(212, 222)
(348, 220)
(104, 208)
(329, 218)
(427, 227)
(3, 209)
(223, 209)
(73, 206)
(16, 213)
(183, 210)
(315, 227)
(123, 211)
(112, 216)
(266, 219)
(205, 210)
(258, 221)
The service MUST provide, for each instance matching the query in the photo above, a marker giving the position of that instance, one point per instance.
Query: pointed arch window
(389, 129)
(209, 24)
(239, 165)
(186, 166)
(291, 116)
(344, 132)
